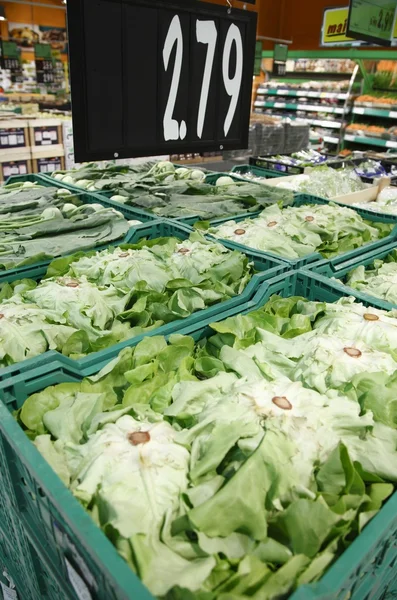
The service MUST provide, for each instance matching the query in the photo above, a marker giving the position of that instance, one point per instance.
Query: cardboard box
(15, 163)
(14, 135)
(45, 132)
(48, 159)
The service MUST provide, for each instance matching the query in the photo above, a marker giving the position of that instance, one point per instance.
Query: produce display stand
(280, 167)
(127, 210)
(265, 267)
(314, 257)
(338, 268)
(42, 522)
(257, 171)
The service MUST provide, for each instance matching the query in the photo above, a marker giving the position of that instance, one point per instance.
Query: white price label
(359, 111)
(279, 105)
(393, 114)
(8, 593)
(78, 583)
(280, 92)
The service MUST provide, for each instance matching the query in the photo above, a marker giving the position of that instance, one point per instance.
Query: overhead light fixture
(2, 14)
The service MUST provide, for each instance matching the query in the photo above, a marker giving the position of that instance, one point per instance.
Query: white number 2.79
(206, 33)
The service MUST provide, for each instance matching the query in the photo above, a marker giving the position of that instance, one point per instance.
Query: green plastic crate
(314, 257)
(38, 269)
(259, 171)
(129, 212)
(338, 268)
(57, 527)
(265, 267)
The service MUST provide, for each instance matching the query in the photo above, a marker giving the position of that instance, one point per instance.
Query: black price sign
(45, 71)
(173, 77)
(11, 60)
(280, 59)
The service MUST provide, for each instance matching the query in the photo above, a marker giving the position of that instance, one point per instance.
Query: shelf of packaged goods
(307, 107)
(375, 112)
(331, 140)
(305, 93)
(316, 122)
(370, 141)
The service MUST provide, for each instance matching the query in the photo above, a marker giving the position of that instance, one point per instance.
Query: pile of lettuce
(169, 191)
(89, 302)
(243, 465)
(325, 182)
(38, 223)
(379, 279)
(294, 232)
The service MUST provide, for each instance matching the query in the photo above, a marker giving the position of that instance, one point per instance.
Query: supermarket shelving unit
(378, 107)
(293, 95)
(332, 111)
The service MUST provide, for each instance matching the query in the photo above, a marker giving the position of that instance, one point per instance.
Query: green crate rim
(339, 576)
(266, 268)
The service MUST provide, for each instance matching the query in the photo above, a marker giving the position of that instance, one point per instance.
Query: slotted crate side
(57, 526)
(266, 267)
(337, 269)
(314, 257)
(16, 559)
(129, 212)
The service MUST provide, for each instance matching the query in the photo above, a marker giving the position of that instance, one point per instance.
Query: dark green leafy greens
(169, 191)
(89, 302)
(217, 468)
(39, 223)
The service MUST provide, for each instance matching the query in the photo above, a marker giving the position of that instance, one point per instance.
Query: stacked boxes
(15, 156)
(46, 145)
(30, 146)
